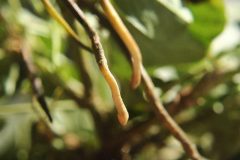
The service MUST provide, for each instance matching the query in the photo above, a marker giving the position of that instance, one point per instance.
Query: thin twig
(36, 82)
(128, 40)
(79, 58)
(184, 100)
(82, 102)
(167, 120)
(73, 53)
(65, 25)
(205, 84)
(85, 77)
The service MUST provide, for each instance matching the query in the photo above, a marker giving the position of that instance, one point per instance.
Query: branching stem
(167, 120)
(36, 82)
(101, 61)
(52, 11)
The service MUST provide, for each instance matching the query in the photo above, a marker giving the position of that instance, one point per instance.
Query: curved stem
(36, 82)
(65, 25)
(167, 120)
(128, 40)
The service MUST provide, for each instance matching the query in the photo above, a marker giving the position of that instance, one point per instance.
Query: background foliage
(190, 48)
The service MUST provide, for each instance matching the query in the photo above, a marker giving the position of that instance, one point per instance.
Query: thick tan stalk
(128, 40)
(121, 109)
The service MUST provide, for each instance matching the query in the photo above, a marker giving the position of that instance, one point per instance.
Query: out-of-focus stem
(52, 11)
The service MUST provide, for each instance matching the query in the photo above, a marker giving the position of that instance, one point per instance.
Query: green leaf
(15, 135)
(161, 30)
(209, 20)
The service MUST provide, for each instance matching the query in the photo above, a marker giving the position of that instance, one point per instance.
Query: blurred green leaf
(173, 35)
(11, 81)
(161, 29)
(209, 20)
(15, 137)
(161, 32)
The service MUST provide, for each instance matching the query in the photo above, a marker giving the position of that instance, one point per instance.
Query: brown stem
(82, 102)
(205, 84)
(36, 82)
(167, 120)
(65, 25)
(183, 102)
(73, 53)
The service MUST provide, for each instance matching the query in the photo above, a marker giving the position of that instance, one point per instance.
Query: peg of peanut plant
(127, 38)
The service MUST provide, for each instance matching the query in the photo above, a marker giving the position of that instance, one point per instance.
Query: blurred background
(190, 48)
